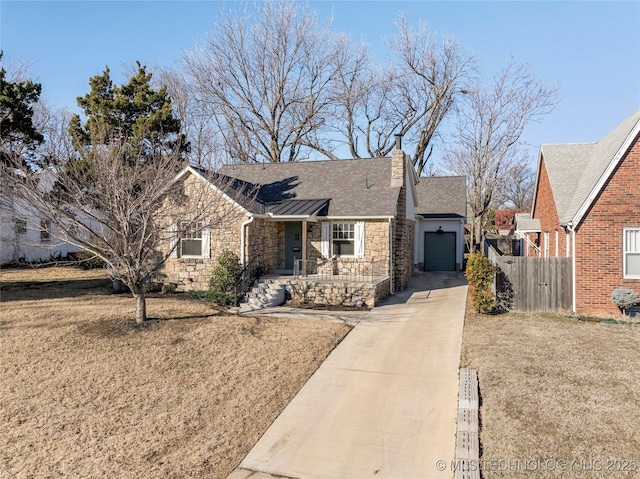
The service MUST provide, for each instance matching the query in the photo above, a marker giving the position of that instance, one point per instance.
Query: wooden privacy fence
(532, 284)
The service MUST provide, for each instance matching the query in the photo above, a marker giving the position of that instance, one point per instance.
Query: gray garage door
(440, 251)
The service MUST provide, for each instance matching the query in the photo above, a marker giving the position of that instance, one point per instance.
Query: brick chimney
(397, 163)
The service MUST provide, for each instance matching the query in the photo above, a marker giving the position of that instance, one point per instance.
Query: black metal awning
(297, 209)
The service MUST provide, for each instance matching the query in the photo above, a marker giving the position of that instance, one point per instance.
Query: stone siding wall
(263, 249)
(376, 250)
(404, 237)
(224, 225)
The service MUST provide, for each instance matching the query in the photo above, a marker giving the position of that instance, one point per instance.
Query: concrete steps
(265, 293)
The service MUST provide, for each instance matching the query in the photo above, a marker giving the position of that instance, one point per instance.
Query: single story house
(353, 221)
(587, 206)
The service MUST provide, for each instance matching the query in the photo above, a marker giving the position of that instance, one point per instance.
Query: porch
(335, 282)
(324, 262)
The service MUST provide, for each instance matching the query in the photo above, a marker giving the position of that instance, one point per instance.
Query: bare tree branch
(489, 131)
(266, 81)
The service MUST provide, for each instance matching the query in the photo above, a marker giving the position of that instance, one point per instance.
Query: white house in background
(440, 219)
(26, 237)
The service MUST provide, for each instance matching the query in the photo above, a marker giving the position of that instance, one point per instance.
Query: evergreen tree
(18, 135)
(133, 116)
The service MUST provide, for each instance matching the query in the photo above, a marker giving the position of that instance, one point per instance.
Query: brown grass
(553, 391)
(86, 393)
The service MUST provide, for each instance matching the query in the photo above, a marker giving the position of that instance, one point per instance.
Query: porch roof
(297, 208)
(525, 224)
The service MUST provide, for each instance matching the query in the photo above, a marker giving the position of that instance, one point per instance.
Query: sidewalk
(384, 403)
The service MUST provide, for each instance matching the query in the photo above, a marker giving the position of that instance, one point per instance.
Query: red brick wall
(599, 238)
(545, 210)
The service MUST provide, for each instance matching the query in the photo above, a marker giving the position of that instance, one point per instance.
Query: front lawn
(559, 397)
(86, 393)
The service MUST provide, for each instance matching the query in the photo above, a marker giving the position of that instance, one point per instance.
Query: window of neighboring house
(191, 242)
(21, 226)
(343, 239)
(45, 231)
(631, 252)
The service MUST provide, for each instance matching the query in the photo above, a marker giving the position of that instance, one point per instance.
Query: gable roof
(442, 195)
(346, 188)
(577, 172)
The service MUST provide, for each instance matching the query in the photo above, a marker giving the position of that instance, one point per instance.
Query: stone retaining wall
(340, 293)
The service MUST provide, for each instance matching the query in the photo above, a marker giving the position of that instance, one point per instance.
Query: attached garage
(440, 250)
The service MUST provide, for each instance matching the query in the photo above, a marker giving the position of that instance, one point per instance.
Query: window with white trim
(191, 242)
(631, 252)
(343, 239)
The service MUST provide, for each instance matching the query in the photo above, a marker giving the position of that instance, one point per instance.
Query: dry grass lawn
(85, 393)
(555, 390)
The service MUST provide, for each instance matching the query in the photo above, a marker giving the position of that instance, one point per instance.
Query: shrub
(480, 273)
(90, 261)
(224, 278)
(151, 287)
(168, 288)
(625, 298)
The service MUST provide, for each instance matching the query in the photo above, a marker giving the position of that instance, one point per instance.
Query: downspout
(573, 265)
(243, 240)
(390, 257)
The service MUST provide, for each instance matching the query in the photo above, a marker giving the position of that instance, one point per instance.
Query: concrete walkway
(384, 403)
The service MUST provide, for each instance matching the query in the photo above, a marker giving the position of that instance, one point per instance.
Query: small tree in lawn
(225, 278)
(116, 194)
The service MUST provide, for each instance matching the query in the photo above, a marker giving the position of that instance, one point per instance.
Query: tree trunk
(141, 307)
(478, 233)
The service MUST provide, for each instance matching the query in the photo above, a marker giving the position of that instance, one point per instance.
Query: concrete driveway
(384, 403)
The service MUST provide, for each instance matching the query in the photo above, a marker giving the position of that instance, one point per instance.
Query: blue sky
(592, 49)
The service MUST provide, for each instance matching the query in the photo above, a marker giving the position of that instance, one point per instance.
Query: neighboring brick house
(587, 206)
(347, 217)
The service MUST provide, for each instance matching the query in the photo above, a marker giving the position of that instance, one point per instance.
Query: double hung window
(631, 252)
(343, 239)
(191, 241)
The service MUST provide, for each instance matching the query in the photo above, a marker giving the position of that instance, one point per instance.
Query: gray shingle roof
(354, 188)
(525, 224)
(575, 169)
(438, 195)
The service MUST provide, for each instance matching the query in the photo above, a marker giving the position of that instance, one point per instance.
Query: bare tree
(111, 186)
(410, 96)
(131, 218)
(197, 123)
(265, 81)
(517, 186)
(488, 133)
